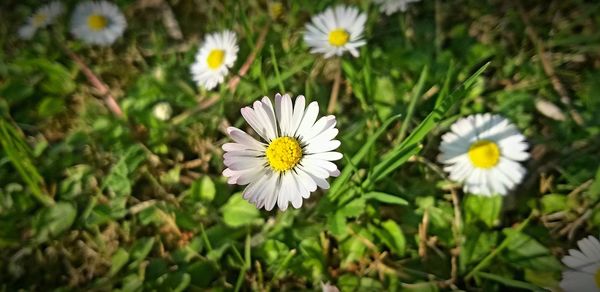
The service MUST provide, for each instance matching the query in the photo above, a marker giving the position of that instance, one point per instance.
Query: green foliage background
(90, 201)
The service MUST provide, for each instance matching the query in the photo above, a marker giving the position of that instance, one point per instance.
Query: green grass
(94, 201)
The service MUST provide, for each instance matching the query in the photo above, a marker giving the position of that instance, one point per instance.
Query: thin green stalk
(205, 238)
(283, 265)
(417, 92)
(276, 68)
(486, 261)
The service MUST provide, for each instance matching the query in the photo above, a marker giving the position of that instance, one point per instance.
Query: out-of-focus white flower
(162, 111)
(98, 22)
(335, 31)
(482, 152)
(42, 17)
(393, 6)
(214, 59)
(584, 267)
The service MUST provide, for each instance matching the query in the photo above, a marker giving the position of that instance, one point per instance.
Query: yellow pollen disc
(275, 9)
(97, 22)
(39, 19)
(338, 37)
(284, 153)
(215, 59)
(484, 154)
(597, 278)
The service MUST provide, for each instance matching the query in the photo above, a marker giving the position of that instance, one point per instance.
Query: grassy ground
(94, 200)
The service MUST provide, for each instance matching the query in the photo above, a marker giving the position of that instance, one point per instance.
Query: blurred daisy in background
(583, 272)
(482, 151)
(162, 111)
(393, 6)
(98, 22)
(294, 157)
(214, 59)
(335, 31)
(42, 17)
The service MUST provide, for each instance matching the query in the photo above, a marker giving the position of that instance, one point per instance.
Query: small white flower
(294, 157)
(393, 6)
(214, 59)
(482, 152)
(162, 111)
(98, 22)
(584, 267)
(335, 31)
(42, 17)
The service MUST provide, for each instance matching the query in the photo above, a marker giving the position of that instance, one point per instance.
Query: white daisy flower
(214, 59)
(482, 152)
(98, 22)
(42, 17)
(393, 6)
(584, 267)
(335, 31)
(294, 157)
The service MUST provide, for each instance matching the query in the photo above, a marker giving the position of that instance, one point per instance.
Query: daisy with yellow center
(335, 31)
(215, 57)
(42, 17)
(293, 159)
(393, 6)
(98, 22)
(583, 273)
(483, 152)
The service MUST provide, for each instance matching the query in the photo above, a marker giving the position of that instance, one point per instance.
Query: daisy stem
(336, 89)
(233, 83)
(507, 240)
(102, 88)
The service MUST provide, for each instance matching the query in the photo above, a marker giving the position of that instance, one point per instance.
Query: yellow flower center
(97, 22)
(39, 19)
(338, 37)
(275, 9)
(284, 153)
(597, 278)
(215, 59)
(484, 154)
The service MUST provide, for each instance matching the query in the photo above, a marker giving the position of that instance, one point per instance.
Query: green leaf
(140, 250)
(207, 189)
(553, 203)
(484, 209)
(509, 282)
(203, 273)
(176, 282)
(385, 198)
(392, 236)
(337, 224)
(118, 260)
(525, 252)
(238, 212)
(53, 221)
(354, 208)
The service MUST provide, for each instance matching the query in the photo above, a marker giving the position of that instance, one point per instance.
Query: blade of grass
(417, 92)
(390, 160)
(289, 73)
(276, 68)
(507, 240)
(357, 158)
(19, 153)
(509, 282)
